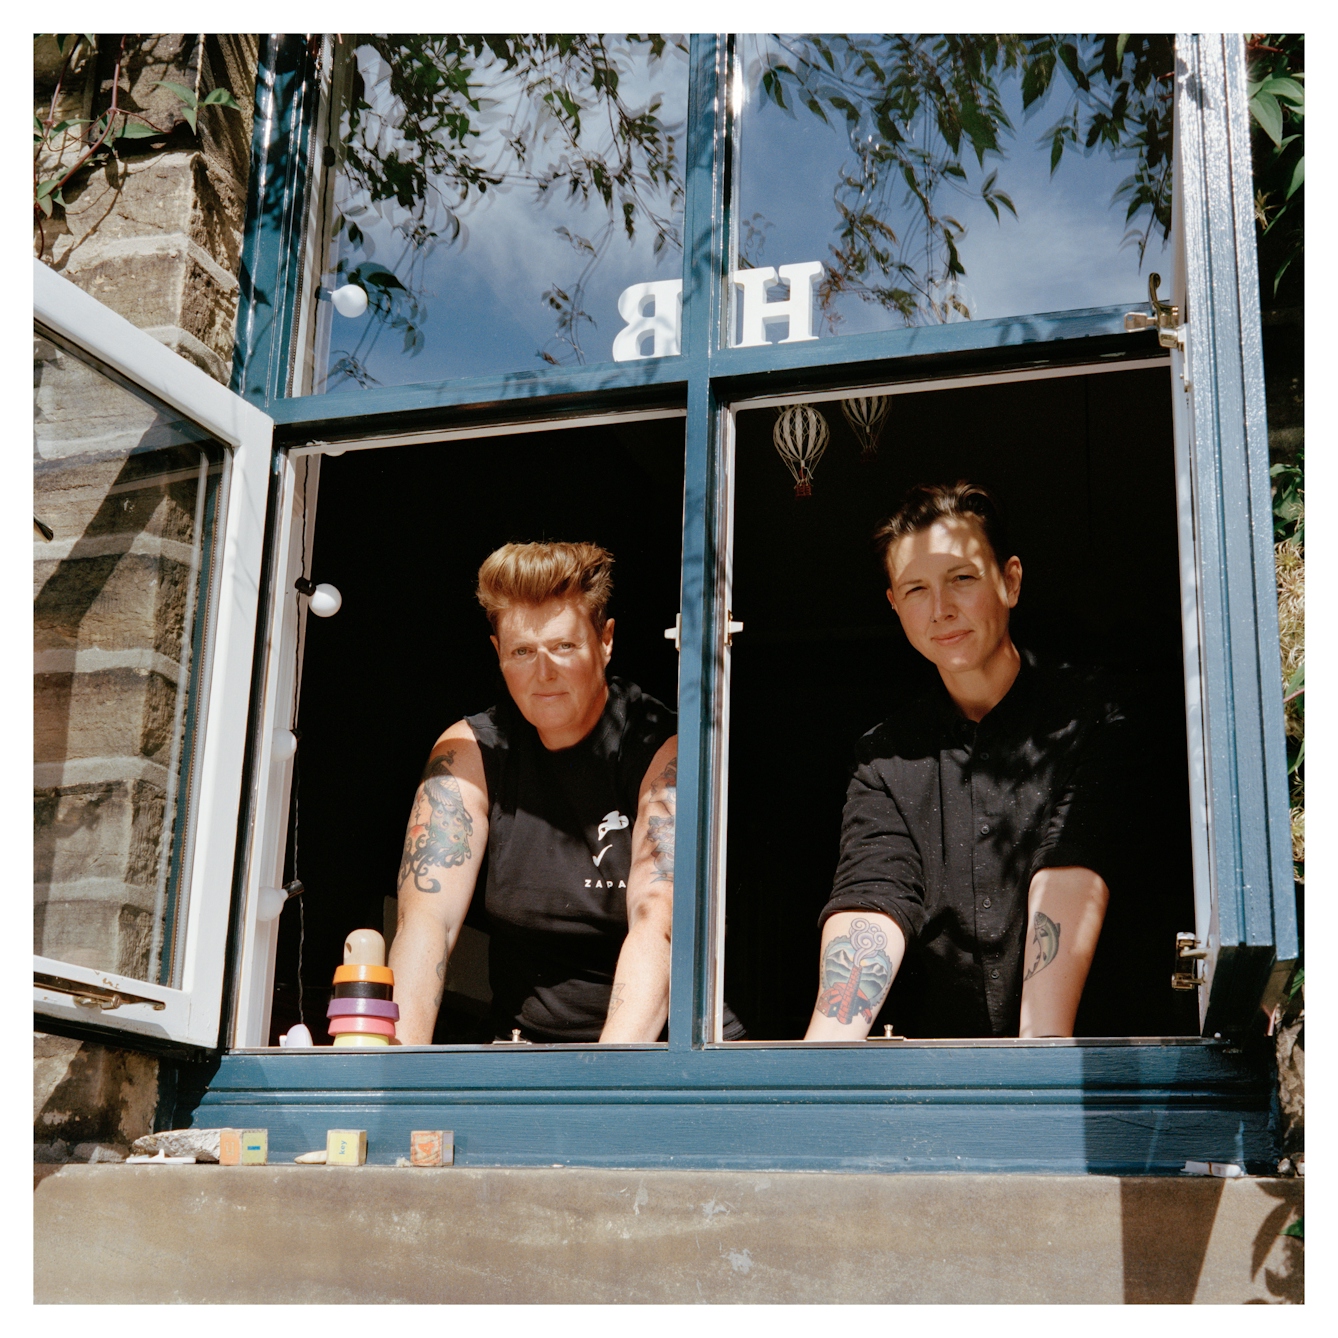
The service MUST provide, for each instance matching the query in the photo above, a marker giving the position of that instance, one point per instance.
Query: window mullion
(703, 267)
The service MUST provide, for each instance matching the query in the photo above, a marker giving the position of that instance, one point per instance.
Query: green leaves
(1288, 502)
(1266, 99)
(1295, 1229)
(190, 106)
(48, 194)
(1277, 108)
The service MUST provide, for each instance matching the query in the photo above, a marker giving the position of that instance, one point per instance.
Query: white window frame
(188, 1014)
(298, 471)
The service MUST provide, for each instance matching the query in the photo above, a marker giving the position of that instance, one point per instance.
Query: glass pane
(501, 202)
(921, 179)
(1091, 510)
(124, 501)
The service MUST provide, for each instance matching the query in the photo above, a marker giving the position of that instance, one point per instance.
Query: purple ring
(386, 1008)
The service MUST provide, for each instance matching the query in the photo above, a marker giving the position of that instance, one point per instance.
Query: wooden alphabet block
(432, 1147)
(243, 1147)
(345, 1147)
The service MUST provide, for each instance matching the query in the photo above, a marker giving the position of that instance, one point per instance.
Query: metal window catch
(675, 633)
(1165, 318)
(1190, 951)
(89, 996)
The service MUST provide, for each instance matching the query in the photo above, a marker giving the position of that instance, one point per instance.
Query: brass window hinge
(1190, 952)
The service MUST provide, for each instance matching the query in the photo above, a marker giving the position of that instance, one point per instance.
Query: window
(822, 659)
(149, 501)
(781, 1103)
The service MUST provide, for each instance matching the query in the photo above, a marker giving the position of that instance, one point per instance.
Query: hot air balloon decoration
(866, 415)
(800, 435)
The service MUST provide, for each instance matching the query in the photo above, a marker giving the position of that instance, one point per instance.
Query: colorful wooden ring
(363, 1008)
(381, 1026)
(360, 1040)
(361, 989)
(383, 975)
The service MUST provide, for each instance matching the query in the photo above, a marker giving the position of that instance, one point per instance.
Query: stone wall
(154, 232)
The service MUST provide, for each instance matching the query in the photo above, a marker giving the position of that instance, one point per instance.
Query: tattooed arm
(640, 1003)
(448, 830)
(861, 954)
(1066, 907)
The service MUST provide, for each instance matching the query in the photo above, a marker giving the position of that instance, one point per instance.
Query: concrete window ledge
(106, 1233)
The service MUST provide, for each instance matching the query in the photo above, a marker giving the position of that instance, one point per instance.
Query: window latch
(1165, 318)
(1190, 953)
(89, 996)
(675, 633)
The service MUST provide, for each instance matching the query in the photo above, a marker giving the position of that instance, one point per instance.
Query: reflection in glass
(125, 501)
(948, 178)
(496, 197)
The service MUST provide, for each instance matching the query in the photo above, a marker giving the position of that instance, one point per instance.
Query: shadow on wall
(1167, 1227)
(89, 1093)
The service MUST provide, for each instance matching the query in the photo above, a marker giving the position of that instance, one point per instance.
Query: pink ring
(387, 1008)
(378, 1026)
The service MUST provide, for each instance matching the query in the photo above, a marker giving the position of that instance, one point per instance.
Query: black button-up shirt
(947, 820)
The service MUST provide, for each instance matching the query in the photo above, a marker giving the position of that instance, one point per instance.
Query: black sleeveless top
(559, 854)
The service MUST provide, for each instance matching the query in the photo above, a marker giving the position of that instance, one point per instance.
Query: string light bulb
(323, 600)
(350, 300)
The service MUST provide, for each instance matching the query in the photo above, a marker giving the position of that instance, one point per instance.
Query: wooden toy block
(432, 1147)
(345, 1147)
(243, 1147)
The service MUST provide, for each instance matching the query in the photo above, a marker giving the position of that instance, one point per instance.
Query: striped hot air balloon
(800, 435)
(866, 415)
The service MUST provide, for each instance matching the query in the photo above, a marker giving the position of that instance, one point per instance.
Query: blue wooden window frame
(1071, 1105)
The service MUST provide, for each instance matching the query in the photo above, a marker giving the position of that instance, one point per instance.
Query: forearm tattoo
(856, 973)
(1045, 935)
(616, 999)
(439, 829)
(660, 827)
(441, 983)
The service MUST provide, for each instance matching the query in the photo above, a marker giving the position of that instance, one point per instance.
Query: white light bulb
(325, 601)
(285, 745)
(297, 1036)
(270, 902)
(350, 300)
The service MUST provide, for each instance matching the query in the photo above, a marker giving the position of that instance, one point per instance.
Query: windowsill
(878, 1042)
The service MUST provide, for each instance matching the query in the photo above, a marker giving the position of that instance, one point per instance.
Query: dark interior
(1083, 466)
(402, 532)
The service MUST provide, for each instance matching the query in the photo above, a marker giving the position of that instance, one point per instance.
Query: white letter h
(797, 309)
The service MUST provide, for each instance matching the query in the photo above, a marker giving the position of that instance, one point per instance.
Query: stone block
(202, 1144)
(133, 1234)
(125, 713)
(87, 1092)
(103, 935)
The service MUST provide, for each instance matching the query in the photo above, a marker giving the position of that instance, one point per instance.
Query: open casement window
(149, 505)
(742, 344)
(1245, 905)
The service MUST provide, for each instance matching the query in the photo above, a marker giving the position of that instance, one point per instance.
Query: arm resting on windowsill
(861, 955)
(1065, 910)
(639, 1003)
